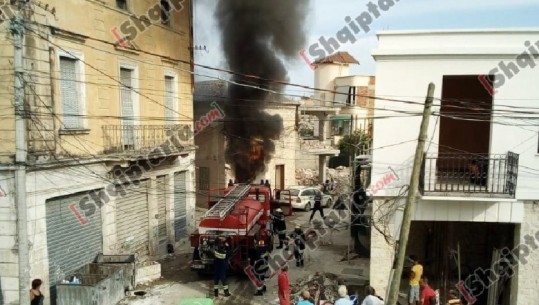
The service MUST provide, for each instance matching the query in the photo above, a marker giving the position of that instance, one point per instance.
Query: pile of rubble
(322, 286)
(305, 176)
(341, 176)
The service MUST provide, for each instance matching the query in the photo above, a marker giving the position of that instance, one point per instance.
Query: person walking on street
(279, 227)
(284, 286)
(221, 266)
(344, 298)
(317, 206)
(298, 238)
(261, 266)
(36, 297)
(415, 276)
(372, 298)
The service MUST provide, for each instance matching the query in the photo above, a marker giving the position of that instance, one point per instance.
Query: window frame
(134, 95)
(175, 96)
(81, 87)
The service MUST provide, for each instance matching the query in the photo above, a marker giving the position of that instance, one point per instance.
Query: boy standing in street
(415, 277)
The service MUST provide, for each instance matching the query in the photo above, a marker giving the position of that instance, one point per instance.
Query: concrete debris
(341, 176)
(323, 285)
(306, 176)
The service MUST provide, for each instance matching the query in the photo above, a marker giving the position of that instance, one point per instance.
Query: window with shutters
(170, 99)
(71, 93)
(203, 178)
(127, 107)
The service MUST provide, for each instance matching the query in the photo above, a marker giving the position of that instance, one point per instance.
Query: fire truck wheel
(307, 207)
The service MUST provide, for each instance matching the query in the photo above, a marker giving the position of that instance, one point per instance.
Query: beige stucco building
(110, 154)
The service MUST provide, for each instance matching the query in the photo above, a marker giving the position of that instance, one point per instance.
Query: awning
(342, 117)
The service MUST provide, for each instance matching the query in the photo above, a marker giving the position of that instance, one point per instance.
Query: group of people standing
(421, 293)
(296, 238)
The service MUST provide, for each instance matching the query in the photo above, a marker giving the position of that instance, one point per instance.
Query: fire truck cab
(241, 214)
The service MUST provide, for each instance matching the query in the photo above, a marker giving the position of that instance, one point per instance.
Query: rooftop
(338, 58)
(460, 31)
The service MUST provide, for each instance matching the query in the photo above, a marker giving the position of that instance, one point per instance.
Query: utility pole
(411, 200)
(17, 30)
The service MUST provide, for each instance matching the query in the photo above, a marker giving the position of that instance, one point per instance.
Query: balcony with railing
(469, 175)
(146, 139)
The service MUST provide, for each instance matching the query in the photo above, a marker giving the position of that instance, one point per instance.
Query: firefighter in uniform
(279, 227)
(261, 266)
(221, 266)
(298, 238)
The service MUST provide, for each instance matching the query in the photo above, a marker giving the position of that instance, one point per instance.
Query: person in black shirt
(317, 206)
(279, 227)
(298, 237)
(221, 254)
(36, 297)
(261, 266)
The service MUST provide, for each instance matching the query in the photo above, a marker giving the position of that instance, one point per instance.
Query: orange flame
(257, 150)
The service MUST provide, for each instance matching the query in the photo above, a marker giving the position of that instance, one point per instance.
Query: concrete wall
(382, 250)
(6, 91)
(524, 288)
(324, 78)
(285, 147)
(9, 260)
(210, 155)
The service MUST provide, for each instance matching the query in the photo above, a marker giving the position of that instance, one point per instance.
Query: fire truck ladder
(224, 205)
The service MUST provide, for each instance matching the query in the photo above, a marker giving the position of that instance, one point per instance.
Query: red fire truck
(242, 216)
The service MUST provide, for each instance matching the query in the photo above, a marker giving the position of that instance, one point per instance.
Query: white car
(302, 197)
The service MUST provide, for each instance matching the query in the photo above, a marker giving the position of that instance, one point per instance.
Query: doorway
(279, 177)
(466, 109)
(464, 139)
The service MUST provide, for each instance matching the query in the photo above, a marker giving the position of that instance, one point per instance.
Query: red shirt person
(284, 286)
(427, 293)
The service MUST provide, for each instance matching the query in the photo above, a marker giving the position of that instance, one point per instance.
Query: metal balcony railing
(470, 174)
(140, 138)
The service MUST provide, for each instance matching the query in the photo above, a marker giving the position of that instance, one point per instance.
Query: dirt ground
(179, 282)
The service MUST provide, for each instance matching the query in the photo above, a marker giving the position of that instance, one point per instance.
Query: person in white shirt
(344, 299)
(372, 298)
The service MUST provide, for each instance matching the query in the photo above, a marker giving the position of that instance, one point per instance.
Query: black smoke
(255, 35)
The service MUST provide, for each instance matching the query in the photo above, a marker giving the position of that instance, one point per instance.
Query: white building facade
(478, 185)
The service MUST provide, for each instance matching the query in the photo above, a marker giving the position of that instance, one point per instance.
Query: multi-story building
(342, 104)
(108, 139)
(478, 183)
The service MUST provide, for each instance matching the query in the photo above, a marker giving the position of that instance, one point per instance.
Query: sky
(326, 18)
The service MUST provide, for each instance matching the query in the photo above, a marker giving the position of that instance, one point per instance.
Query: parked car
(302, 197)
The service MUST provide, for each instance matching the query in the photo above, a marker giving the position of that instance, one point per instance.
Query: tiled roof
(338, 58)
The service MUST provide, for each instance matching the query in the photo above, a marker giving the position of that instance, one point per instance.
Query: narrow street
(328, 260)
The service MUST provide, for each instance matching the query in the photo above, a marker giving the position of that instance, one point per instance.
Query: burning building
(213, 167)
